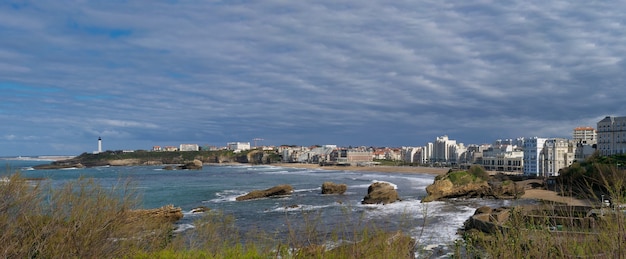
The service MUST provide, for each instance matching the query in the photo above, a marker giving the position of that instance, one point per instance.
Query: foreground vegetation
(83, 219)
(602, 234)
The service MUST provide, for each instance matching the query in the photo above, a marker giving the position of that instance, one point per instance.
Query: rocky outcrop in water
(461, 184)
(167, 213)
(333, 188)
(194, 165)
(381, 193)
(278, 190)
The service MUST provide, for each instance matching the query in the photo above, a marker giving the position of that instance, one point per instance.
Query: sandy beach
(382, 169)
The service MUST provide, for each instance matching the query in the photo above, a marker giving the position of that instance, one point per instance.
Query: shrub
(479, 172)
(80, 219)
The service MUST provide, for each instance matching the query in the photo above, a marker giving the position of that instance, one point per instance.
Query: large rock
(463, 184)
(167, 213)
(194, 165)
(284, 189)
(333, 188)
(125, 162)
(444, 188)
(507, 189)
(381, 193)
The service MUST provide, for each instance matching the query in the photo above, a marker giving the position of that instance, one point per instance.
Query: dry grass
(81, 219)
(539, 236)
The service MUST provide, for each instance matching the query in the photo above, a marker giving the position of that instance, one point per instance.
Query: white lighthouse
(99, 145)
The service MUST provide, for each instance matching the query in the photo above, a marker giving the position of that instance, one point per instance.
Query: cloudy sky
(372, 73)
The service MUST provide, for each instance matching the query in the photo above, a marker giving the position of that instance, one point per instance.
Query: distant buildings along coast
(534, 156)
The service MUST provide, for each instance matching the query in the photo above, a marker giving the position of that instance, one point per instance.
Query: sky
(349, 73)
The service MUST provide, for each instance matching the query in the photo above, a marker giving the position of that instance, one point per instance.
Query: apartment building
(557, 153)
(612, 136)
(503, 158)
(532, 149)
(238, 146)
(586, 140)
(189, 147)
(353, 156)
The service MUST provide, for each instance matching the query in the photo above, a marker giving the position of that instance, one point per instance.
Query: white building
(503, 157)
(557, 153)
(411, 154)
(238, 146)
(532, 150)
(427, 153)
(443, 149)
(612, 135)
(446, 151)
(189, 147)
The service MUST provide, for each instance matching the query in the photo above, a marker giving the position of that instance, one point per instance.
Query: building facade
(557, 153)
(612, 136)
(586, 140)
(503, 158)
(189, 147)
(532, 149)
(238, 146)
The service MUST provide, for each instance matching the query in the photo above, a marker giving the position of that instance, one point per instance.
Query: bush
(80, 219)
(539, 236)
(479, 172)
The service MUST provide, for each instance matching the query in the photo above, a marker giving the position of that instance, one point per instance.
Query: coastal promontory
(188, 159)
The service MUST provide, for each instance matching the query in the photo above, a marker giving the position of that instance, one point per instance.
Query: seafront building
(612, 136)
(532, 149)
(238, 146)
(557, 153)
(586, 140)
(503, 157)
(189, 147)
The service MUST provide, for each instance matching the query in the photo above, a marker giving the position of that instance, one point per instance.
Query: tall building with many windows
(557, 153)
(532, 150)
(585, 139)
(612, 135)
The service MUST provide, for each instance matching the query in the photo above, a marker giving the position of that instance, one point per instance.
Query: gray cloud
(350, 73)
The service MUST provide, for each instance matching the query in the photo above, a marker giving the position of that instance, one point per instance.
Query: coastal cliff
(140, 157)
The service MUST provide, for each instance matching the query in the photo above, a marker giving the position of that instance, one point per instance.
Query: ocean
(433, 224)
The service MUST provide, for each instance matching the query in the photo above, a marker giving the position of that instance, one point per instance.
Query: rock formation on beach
(278, 190)
(381, 193)
(462, 184)
(333, 188)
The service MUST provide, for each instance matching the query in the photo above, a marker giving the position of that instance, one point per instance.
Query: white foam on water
(395, 187)
(227, 196)
(299, 207)
(308, 190)
(425, 216)
(183, 227)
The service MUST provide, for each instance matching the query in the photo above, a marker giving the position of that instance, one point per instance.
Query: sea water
(216, 187)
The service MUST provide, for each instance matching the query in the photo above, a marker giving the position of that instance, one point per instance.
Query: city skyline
(373, 73)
